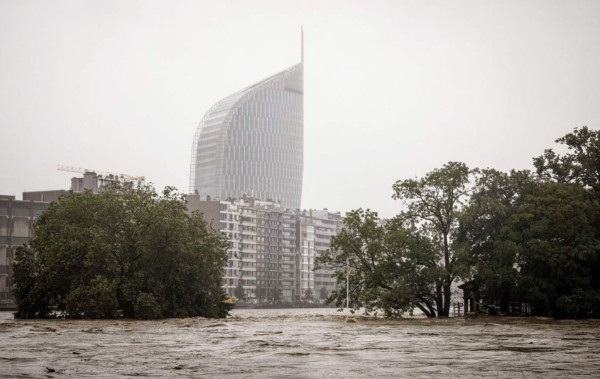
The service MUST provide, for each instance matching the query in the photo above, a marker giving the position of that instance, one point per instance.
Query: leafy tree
(409, 261)
(434, 204)
(581, 164)
(95, 299)
(482, 232)
(536, 239)
(390, 265)
(125, 250)
(31, 290)
(556, 245)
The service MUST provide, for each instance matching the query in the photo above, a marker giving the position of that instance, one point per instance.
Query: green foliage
(411, 260)
(537, 240)
(580, 165)
(491, 253)
(519, 237)
(434, 204)
(146, 307)
(124, 249)
(384, 262)
(30, 292)
(556, 247)
(95, 299)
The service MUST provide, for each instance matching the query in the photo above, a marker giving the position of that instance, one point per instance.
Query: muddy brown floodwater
(300, 343)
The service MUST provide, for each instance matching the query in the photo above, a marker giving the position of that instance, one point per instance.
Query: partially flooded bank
(299, 343)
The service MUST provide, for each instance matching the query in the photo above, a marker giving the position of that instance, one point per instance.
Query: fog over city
(392, 89)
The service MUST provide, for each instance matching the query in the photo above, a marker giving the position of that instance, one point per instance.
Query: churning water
(300, 343)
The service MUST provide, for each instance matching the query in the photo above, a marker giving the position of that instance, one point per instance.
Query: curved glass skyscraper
(251, 143)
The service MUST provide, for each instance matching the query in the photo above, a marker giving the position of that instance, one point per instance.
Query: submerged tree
(519, 236)
(434, 204)
(579, 166)
(411, 260)
(123, 251)
(491, 254)
(557, 246)
(360, 254)
(535, 239)
(388, 265)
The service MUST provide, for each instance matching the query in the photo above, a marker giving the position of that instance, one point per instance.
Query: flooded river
(300, 343)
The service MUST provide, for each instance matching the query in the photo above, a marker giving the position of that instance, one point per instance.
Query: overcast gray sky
(393, 89)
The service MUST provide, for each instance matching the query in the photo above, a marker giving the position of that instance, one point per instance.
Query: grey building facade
(16, 229)
(44, 196)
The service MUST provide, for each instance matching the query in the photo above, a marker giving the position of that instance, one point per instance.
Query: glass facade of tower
(251, 143)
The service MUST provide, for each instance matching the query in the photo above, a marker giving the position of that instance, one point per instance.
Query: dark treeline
(522, 236)
(124, 252)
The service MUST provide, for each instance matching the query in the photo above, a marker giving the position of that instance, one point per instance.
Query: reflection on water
(300, 343)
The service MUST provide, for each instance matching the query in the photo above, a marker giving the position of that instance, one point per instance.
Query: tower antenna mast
(302, 44)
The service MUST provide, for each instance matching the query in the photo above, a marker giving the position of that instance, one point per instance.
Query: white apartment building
(272, 249)
(316, 227)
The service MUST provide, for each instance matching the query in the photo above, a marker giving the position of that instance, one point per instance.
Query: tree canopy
(435, 202)
(409, 261)
(366, 251)
(520, 237)
(123, 252)
(580, 164)
(556, 245)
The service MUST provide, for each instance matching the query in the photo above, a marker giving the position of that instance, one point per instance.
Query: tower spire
(302, 44)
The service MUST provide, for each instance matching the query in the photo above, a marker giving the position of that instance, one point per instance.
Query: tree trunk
(439, 300)
(445, 309)
(427, 309)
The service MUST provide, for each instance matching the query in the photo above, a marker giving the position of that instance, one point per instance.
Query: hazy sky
(393, 89)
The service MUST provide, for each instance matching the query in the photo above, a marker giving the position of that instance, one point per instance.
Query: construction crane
(104, 175)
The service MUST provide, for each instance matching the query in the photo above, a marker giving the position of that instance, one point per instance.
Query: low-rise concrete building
(16, 229)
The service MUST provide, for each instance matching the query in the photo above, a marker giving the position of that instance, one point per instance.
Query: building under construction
(95, 180)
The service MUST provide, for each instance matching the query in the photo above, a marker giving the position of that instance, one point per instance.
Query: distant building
(89, 181)
(16, 229)
(97, 181)
(315, 229)
(43, 196)
(17, 218)
(272, 249)
(251, 143)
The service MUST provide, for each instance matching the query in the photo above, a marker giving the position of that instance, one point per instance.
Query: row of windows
(262, 155)
(15, 226)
